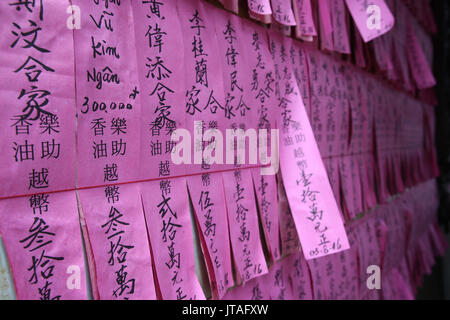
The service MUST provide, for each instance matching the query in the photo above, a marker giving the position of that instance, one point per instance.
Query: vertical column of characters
(339, 19)
(115, 227)
(204, 94)
(305, 28)
(243, 222)
(289, 237)
(207, 197)
(289, 240)
(166, 207)
(239, 112)
(317, 85)
(299, 275)
(261, 89)
(308, 190)
(107, 91)
(161, 79)
(36, 231)
(345, 94)
(298, 57)
(37, 110)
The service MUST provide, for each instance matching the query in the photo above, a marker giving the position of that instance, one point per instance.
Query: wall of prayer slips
(100, 97)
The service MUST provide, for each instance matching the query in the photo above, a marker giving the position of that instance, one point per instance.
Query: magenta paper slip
(243, 224)
(290, 242)
(341, 40)
(373, 18)
(299, 60)
(427, 253)
(381, 54)
(369, 200)
(169, 227)
(394, 215)
(326, 26)
(418, 64)
(438, 240)
(369, 255)
(358, 49)
(350, 185)
(401, 66)
(282, 12)
(204, 103)
(262, 89)
(330, 108)
(41, 234)
(262, 95)
(277, 281)
(241, 112)
(254, 289)
(259, 8)
(299, 276)
(304, 18)
(266, 195)
(115, 226)
(207, 197)
(357, 94)
(38, 99)
(332, 167)
(308, 190)
(396, 286)
(335, 277)
(388, 45)
(108, 108)
(161, 86)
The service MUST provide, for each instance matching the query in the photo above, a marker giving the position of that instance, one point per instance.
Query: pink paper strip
(335, 277)
(277, 281)
(326, 27)
(204, 101)
(107, 86)
(290, 242)
(299, 60)
(42, 238)
(37, 111)
(341, 41)
(262, 97)
(311, 200)
(117, 235)
(207, 196)
(369, 255)
(238, 78)
(161, 85)
(304, 18)
(282, 12)
(266, 194)
(300, 277)
(168, 220)
(243, 222)
(418, 64)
